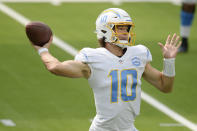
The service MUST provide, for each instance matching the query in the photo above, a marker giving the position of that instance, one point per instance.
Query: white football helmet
(106, 25)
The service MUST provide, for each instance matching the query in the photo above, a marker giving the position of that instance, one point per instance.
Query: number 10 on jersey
(123, 83)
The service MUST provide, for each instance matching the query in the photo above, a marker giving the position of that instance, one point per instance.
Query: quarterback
(114, 70)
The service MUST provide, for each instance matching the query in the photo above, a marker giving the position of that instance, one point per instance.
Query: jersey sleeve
(145, 52)
(88, 56)
(148, 55)
(82, 56)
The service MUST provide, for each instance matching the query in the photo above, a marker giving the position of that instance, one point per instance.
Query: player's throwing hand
(47, 45)
(170, 49)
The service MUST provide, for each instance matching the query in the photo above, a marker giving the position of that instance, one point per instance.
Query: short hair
(102, 42)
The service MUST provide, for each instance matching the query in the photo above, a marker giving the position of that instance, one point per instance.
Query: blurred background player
(187, 16)
(115, 69)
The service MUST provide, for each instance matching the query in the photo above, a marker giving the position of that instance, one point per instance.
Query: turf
(38, 101)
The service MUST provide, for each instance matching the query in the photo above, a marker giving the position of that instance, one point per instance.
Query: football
(38, 33)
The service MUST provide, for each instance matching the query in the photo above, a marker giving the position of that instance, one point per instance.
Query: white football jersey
(116, 83)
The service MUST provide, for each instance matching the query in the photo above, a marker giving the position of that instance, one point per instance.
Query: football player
(187, 15)
(115, 69)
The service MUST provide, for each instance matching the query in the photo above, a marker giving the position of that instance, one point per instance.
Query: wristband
(169, 67)
(42, 50)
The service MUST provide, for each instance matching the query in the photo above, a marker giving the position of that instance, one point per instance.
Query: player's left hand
(170, 49)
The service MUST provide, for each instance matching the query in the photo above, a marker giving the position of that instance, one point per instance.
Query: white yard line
(22, 20)
(169, 112)
(7, 122)
(171, 124)
(66, 47)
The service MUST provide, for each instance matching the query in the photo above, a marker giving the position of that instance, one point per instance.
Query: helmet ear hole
(104, 31)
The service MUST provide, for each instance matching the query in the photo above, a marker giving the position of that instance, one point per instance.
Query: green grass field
(39, 101)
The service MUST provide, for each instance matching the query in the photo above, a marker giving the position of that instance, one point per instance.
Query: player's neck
(116, 50)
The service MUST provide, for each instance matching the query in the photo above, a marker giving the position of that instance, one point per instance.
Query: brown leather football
(38, 33)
